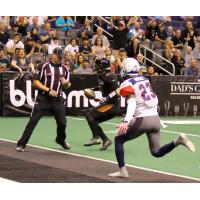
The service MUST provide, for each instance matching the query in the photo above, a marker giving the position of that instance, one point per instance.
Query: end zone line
(108, 161)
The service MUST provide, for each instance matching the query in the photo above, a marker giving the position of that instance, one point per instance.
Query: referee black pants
(44, 104)
(100, 114)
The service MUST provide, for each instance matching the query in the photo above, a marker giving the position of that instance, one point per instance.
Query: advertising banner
(178, 95)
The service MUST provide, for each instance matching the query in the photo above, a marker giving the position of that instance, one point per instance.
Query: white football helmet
(130, 67)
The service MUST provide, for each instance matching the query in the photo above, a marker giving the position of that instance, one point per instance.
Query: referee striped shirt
(49, 74)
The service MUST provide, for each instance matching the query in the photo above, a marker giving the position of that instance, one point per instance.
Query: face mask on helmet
(102, 65)
(130, 67)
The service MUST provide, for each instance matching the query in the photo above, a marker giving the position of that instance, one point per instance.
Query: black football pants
(43, 105)
(100, 114)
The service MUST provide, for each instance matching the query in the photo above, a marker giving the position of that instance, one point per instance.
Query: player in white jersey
(141, 117)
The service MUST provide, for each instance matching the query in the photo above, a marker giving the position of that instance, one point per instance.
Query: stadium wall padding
(178, 95)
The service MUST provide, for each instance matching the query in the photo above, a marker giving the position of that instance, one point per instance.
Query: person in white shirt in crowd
(16, 42)
(54, 44)
(73, 46)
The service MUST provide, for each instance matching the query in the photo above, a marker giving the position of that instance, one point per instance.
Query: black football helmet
(102, 65)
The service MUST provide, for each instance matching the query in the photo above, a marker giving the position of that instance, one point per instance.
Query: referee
(51, 77)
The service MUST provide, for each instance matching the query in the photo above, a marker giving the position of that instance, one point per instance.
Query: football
(89, 93)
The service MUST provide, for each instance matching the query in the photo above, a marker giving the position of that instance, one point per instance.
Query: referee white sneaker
(185, 141)
(122, 173)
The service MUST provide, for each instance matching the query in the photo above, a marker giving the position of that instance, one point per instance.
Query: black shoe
(20, 149)
(93, 141)
(64, 145)
(106, 144)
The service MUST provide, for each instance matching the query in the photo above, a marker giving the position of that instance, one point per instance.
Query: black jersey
(109, 83)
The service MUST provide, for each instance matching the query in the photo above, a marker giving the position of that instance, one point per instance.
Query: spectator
(73, 46)
(22, 22)
(61, 24)
(44, 35)
(70, 23)
(120, 58)
(21, 63)
(98, 49)
(132, 23)
(16, 42)
(54, 44)
(34, 34)
(4, 36)
(29, 47)
(196, 50)
(187, 54)
(52, 21)
(4, 63)
(193, 69)
(14, 30)
(85, 69)
(33, 24)
(86, 30)
(120, 36)
(103, 37)
(85, 48)
(151, 71)
(190, 34)
(111, 58)
(40, 20)
(152, 29)
(161, 34)
(6, 21)
(38, 47)
(178, 40)
(80, 60)
(69, 61)
(170, 32)
(140, 59)
(136, 32)
(169, 50)
(179, 62)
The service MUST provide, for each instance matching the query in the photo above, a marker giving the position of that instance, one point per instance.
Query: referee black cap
(59, 52)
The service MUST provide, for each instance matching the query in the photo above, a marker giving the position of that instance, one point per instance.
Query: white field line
(182, 121)
(173, 122)
(173, 132)
(3, 180)
(108, 161)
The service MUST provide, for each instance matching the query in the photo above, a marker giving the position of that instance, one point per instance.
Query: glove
(102, 100)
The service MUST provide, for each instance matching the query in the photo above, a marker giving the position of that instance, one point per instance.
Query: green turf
(180, 161)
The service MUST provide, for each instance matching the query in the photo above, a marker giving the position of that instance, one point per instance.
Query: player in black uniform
(108, 108)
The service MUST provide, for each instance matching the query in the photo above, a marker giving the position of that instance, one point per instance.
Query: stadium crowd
(27, 41)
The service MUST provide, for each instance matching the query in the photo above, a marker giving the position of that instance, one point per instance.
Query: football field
(179, 163)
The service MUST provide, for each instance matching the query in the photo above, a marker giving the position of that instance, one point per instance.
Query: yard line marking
(175, 132)
(110, 123)
(181, 121)
(109, 161)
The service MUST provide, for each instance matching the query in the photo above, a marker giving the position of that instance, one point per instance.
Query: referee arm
(42, 87)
